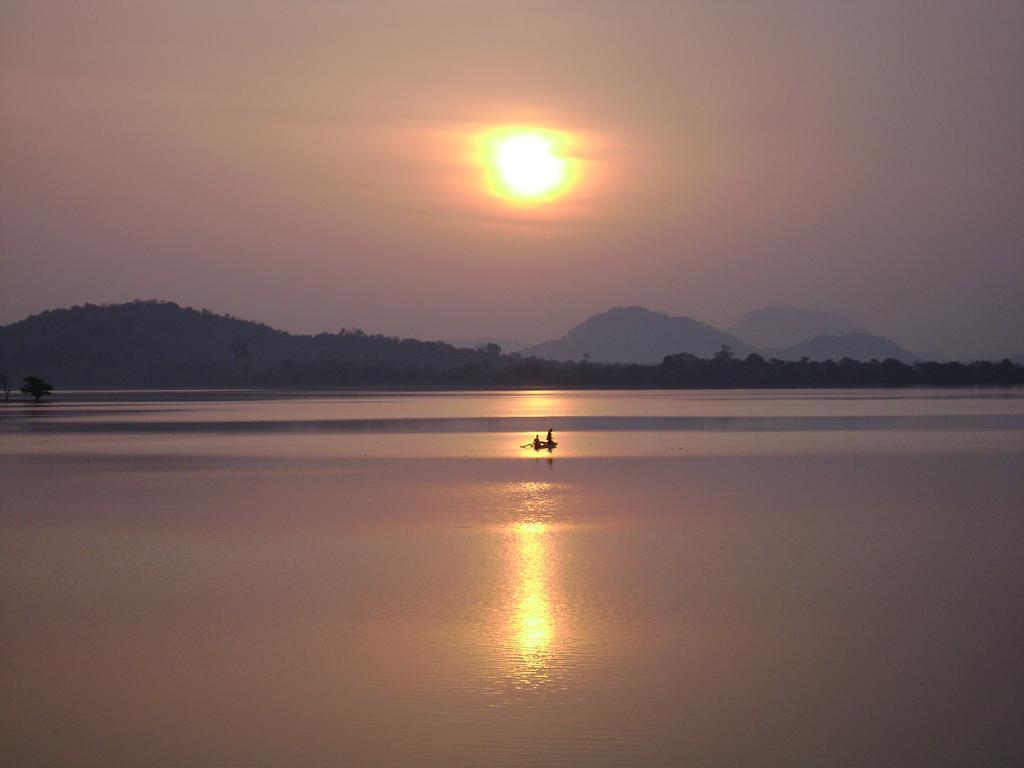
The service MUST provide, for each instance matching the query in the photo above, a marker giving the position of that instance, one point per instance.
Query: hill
(780, 327)
(856, 346)
(160, 344)
(636, 335)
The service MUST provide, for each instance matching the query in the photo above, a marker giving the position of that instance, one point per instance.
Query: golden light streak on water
(534, 624)
(531, 631)
(536, 403)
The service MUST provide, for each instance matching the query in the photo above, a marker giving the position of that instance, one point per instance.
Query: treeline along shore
(162, 345)
(677, 371)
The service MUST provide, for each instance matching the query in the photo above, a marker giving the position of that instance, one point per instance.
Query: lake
(707, 578)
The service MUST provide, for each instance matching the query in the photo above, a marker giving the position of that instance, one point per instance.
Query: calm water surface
(691, 578)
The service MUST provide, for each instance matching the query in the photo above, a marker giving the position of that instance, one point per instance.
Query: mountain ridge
(855, 346)
(635, 334)
(782, 326)
(159, 343)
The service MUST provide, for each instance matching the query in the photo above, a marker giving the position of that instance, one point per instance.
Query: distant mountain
(781, 327)
(637, 335)
(160, 344)
(856, 346)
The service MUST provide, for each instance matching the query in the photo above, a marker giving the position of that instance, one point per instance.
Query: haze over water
(690, 578)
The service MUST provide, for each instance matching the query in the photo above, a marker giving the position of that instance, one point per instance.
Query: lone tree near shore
(36, 387)
(5, 386)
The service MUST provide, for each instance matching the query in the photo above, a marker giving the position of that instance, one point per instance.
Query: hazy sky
(306, 163)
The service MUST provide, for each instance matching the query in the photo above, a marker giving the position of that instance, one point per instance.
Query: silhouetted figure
(550, 438)
(536, 442)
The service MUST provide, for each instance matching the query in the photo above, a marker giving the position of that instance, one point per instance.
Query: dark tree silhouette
(5, 384)
(36, 387)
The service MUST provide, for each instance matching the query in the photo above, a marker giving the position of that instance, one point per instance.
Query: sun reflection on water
(535, 626)
(532, 632)
(537, 403)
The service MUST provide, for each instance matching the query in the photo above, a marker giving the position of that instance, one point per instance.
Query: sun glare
(527, 165)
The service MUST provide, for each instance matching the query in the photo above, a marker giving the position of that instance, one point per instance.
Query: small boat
(542, 445)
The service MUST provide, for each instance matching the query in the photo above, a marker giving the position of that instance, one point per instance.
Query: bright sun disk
(526, 165)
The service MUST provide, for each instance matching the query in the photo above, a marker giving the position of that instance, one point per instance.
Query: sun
(527, 165)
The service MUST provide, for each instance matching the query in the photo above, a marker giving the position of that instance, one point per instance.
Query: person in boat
(550, 438)
(536, 442)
